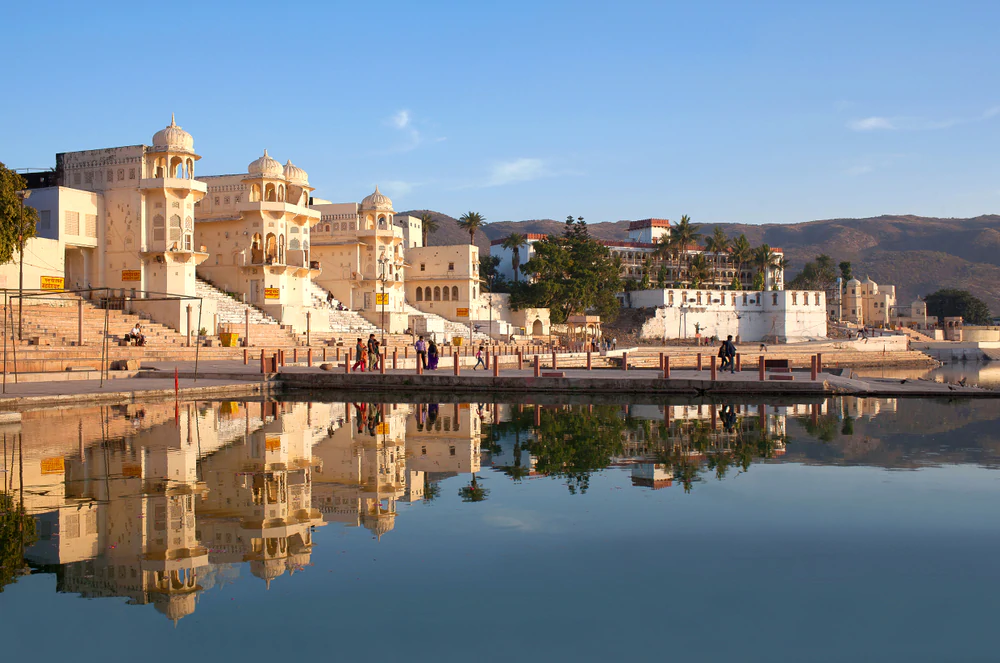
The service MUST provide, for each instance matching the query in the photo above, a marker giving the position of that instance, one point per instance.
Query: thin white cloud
(906, 123)
(871, 124)
(401, 120)
(861, 169)
(524, 169)
(394, 188)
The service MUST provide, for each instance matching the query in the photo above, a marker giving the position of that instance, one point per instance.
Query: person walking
(479, 359)
(374, 356)
(730, 351)
(432, 356)
(361, 358)
(723, 356)
(421, 347)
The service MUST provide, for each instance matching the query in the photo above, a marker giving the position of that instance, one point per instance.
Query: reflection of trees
(824, 428)
(473, 492)
(17, 531)
(575, 441)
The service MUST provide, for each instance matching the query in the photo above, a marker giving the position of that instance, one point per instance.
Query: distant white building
(785, 316)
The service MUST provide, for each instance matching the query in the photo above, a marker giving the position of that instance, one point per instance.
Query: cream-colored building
(123, 218)
(255, 228)
(362, 254)
(868, 304)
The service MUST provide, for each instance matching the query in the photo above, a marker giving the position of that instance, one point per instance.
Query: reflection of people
(432, 414)
(432, 356)
(728, 418)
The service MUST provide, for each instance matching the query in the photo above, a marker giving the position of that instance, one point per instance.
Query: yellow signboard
(383, 428)
(53, 466)
(53, 283)
(272, 443)
(229, 407)
(272, 293)
(131, 469)
(131, 275)
(381, 299)
(462, 312)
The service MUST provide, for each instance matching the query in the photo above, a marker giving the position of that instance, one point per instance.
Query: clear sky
(743, 112)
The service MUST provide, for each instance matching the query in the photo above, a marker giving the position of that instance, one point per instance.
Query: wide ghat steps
(341, 322)
(58, 325)
(451, 328)
(229, 310)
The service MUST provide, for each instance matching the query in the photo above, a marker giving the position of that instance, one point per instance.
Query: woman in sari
(432, 356)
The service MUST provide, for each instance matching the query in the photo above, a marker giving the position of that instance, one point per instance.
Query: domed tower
(854, 302)
(376, 211)
(165, 241)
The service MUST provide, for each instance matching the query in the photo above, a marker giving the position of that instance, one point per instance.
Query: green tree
(645, 283)
(492, 280)
(949, 302)
(684, 236)
(818, 274)
(471, 222)
(427, 226)
(845, 270)
(17, 223)
(662, 276)
(766, 261)
(741, 254)
(718, 245)
(473, 492)
(700, 270)
(572, 274)
(514, 242)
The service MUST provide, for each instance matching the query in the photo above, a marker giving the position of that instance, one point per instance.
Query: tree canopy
(948, 303)
(11, 225)
(471, 222)
(572, 274)
(427, 226)
(818, 274)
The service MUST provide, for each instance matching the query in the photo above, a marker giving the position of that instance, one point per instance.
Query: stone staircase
(264, 330)
(451, 328)
(57, 324)
(231, 311)
(341, 322)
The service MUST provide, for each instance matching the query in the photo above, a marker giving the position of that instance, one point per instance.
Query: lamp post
(384, 265)
(23, 195)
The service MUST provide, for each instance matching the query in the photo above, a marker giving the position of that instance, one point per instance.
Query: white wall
(786, 316)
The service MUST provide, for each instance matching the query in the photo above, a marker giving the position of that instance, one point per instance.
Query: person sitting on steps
(136, 336)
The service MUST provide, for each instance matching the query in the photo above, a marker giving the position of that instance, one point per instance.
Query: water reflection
(158, 504)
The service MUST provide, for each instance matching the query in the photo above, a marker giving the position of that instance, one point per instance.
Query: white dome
(854, 282)
(173, 138)
(295, 175)
(377, 201)
(266, 167)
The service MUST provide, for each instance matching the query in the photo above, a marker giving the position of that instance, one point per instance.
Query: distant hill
(916, 254)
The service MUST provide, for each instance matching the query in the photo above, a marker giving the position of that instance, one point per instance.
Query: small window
(817, 299)
(795, 298)
(451, 267)
(423, 267)
(774, 299)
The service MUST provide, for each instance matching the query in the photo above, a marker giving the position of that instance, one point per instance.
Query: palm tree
(764, 259)
(684, 235)
(428, 225)
(470, 222)
(717, 243)
(514, 242)
(700, 270)
(741, 253)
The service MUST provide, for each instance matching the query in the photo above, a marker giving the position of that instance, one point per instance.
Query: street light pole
(23, 194)
(384, 260)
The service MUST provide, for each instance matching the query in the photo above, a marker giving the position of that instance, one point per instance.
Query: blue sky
(729, 112)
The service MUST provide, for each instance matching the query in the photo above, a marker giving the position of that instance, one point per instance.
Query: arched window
(447, 294)
(161, 167)
(381, 223)
(177, 167)
(420, 294)
(174, 231)
(437, 293)
(293, 244)
(327, 227)
(795, 298)
(256, 250)
(158, 228)
(454, 293)
(271, 247)
(293, 230)
(255, 193)
(269, 194)
(427, 294)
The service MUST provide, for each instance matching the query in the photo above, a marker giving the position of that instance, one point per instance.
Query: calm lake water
(839, 529)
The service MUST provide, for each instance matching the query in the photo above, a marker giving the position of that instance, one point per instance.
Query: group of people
(727, 352)
(427, 354)
(136, 336)
(330, 300)
(368, 356)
